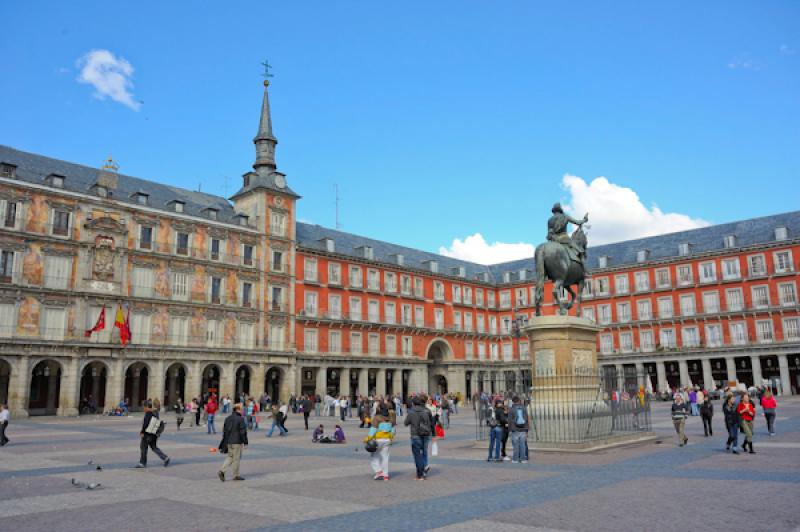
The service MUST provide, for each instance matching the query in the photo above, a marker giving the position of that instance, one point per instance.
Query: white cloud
(745, 61)
(785, 49)
(109, 75)
(617, 213)
(474, 248)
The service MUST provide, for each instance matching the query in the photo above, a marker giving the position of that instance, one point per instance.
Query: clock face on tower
(280, 181)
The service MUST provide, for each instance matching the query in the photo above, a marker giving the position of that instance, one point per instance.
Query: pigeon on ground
(78, 484)
(90, 462)
(99, 468)
(93, 486)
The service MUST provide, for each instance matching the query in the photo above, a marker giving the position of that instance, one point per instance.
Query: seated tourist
(338, 435)
(317, 435)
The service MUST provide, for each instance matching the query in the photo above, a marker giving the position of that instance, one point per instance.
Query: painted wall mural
(33, 265)
(28, 319)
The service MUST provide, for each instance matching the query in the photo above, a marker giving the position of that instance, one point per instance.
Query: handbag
(223, 445)
(371, 446)
(439, 431)
(434, 449)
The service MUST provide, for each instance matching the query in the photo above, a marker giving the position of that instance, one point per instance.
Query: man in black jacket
(234, 436)
(420, 421)
(148, 439)
(306, 404)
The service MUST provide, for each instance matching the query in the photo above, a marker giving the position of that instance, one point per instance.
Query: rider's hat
(557, 208)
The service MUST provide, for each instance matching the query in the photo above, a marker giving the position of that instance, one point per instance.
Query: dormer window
(641, 255)
(459, 271)
(142, 198)
(242, 219)
(178, 206)
(433, 266)
(101, 191)
(730, 241)
(330, 245)
(366, 252)
(212, 214)
(506, 277)
(246, 180)
(398, 259)
(683, 249)
(56, 180)
(602, 262)
(8, 170)
(781, 233)
(483, 276)
(523, 274)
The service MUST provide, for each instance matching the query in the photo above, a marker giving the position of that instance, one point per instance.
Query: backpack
(491, 419)
(424, 427)
(519, 417)
(155, 426)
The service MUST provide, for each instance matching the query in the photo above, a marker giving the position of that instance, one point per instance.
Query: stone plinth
(567, 406)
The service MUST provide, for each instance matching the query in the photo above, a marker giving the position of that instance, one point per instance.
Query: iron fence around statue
(577, 407)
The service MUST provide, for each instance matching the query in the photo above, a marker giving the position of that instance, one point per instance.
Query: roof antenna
(336, 201)
(225, 180)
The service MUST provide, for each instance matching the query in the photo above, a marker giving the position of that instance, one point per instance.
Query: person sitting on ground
(338, 435)
(317, 435)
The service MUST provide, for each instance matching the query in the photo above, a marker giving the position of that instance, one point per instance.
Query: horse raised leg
(572, 296)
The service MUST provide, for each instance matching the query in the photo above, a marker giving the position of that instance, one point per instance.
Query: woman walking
(382, 431)
(179, 411)
(747, 412)
(731, 423)
(706, 413)
(769, 404)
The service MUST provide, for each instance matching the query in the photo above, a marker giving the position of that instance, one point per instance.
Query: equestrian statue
(562, 260)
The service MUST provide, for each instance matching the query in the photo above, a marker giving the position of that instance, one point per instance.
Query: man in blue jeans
(519, 425)
(420, 421)
(495, 421)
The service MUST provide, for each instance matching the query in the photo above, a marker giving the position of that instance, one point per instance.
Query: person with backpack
(234, 438)
(706, 414)
(152, 427)
(493, 421)
(179, 411)
(518, 425)
(420, 422)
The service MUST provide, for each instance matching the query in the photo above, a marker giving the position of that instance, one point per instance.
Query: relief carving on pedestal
(545, 362)
(582, 359)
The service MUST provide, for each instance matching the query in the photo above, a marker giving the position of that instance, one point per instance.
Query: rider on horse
(557, 232)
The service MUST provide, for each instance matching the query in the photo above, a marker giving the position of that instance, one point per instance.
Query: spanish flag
(119, 323)
(99, 326)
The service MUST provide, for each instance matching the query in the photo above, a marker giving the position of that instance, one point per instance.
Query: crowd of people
(738, 408)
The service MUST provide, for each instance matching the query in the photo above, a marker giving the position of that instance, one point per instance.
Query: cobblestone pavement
(293, 484)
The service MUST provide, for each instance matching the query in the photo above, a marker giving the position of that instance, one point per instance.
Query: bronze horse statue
(553, 262)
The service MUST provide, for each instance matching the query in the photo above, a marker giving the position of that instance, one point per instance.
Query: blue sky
(437, 120)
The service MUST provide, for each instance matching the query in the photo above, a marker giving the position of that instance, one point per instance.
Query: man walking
(234, 436)
(679, 414)
(306, 404)
(518, 426)
(149, 436)
(4, 417)
(420, 421)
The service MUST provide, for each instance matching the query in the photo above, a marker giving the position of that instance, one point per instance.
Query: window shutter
(7, 314)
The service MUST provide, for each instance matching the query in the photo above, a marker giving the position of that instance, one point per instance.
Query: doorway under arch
(272, 384)
(93, 388)
(211, 379)
(136, 385)
(439, 352)
(242, 381)
(45, 388)
(5, 379)
(175, 385)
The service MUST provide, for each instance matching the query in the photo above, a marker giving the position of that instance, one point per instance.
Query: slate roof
(702, 240)
(34, 168)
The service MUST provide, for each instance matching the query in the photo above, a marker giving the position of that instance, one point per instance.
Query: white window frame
(783, 268)
(621, 285)
(310, 340)
(712, 278)
(752, 261)
(335, 273)
(180, 285)
(790, 289)
(310, 269)
(731, 269)
(760, 304)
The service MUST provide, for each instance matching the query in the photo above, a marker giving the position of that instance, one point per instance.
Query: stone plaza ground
(292, 484)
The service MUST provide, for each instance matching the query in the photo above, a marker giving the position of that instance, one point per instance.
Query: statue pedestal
(568, 410)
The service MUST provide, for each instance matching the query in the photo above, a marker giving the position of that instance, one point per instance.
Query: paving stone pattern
(293, 484)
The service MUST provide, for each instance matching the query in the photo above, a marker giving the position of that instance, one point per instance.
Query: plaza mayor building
(120, 287)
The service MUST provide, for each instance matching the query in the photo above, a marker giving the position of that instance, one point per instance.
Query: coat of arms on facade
(104, 253)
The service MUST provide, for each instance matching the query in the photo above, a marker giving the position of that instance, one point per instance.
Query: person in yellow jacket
(382, 431)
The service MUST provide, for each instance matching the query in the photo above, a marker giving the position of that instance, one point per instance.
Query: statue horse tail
(541, 277)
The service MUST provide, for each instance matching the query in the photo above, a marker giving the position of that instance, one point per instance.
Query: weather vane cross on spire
(267, 68)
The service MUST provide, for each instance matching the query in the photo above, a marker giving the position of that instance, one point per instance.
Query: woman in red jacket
(747, 412)
(769, 404)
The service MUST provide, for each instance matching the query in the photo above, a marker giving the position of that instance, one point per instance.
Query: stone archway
(5, 380)
(175, 385)
(439, 352)
(137, 378)
(92, 398)
(45, 388)
(272, 383)
(242, 381)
